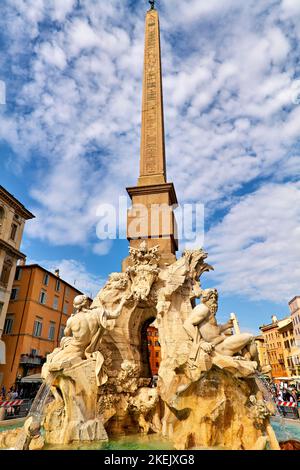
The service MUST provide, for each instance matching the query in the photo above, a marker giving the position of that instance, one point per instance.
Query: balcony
(30, 360)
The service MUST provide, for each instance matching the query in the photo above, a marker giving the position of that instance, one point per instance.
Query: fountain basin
(285, 432)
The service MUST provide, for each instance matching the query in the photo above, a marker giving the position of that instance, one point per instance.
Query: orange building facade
(41, 303)
(274, 348)
(154, 349)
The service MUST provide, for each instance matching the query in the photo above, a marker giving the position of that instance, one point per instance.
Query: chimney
(22, 262)
(274, 319)
(56, 272)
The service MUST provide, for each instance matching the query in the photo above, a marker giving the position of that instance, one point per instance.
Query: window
(55, 303)
(149, 343)
(7, 266)
(34, 352)
(157, 343)
(51, 333)
(13, 231)
(14, 294)
(66, 305)
(57, 285)
(46, 279)
(157, 364)
(37, 328)
(157, 354)
(43, 297)
(2, 215)
(67, 291)
(8, 325)
(18, 274)
(61, 331)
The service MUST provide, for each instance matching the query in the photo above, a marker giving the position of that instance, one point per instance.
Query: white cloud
(290, 8)
(53, 55)
(255, 249)
(82, 36)
(230, 122)
(62, 8)
(75, 273)
(103, 248)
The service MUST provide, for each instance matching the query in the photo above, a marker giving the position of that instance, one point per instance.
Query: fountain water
(33, 422)
(264, 387)
(269, 397)
(40, 401)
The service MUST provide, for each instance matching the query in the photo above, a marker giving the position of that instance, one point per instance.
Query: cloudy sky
(70, 134)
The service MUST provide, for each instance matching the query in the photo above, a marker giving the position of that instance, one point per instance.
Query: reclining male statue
(202, 328)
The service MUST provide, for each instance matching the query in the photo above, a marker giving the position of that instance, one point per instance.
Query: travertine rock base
(72, 416)
(10, 438)
(214, 412)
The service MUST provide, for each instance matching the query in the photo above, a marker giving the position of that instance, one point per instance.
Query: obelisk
(153, 160)
(151, 217)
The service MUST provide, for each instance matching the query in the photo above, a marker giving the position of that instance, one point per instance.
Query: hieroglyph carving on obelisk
(153, 166)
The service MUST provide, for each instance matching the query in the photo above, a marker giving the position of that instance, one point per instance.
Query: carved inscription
(152, 90)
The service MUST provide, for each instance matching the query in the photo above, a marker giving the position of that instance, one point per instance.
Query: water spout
(33, 422)
(268, 395)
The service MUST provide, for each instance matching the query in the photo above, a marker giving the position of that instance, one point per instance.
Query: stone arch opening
(147, 346)
(138, 325)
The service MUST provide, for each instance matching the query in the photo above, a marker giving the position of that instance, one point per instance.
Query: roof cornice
(17, 205)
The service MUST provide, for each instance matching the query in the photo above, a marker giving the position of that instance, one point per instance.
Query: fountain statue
(206, 395)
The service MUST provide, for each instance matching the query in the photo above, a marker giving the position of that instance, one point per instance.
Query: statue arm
(67, 331)
(198, 315)
(226, 326)
(114, 315)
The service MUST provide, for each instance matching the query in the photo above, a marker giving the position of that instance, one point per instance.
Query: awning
(2, 353)
(35, 378)
(295, 377)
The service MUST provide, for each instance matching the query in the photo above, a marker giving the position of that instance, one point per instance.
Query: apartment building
(274, 348)
(40, 304)
(13, 216)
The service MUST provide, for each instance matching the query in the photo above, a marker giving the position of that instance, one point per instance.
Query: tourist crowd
(11, 395)
(289, 395)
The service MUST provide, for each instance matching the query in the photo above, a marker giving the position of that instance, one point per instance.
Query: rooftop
(31, 266)
(285, 323)
(14, 202)
(277, 324)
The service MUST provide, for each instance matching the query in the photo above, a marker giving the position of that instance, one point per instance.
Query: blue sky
(70, 134)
